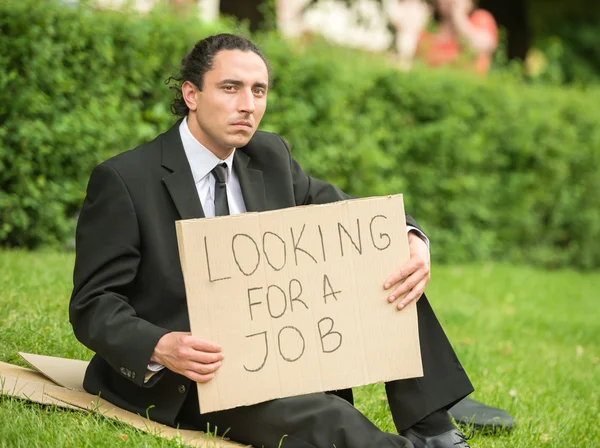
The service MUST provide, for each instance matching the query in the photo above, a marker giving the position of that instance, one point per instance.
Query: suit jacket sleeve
(309, 190)
(107, 259)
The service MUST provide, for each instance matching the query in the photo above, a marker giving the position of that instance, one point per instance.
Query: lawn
(530, 340)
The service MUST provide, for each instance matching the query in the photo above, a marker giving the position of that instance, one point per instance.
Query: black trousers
(307, 421)
(323, 420)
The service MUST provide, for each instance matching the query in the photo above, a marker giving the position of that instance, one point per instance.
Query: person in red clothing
(461, 36)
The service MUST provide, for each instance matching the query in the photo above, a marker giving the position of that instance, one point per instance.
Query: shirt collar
(201, 159)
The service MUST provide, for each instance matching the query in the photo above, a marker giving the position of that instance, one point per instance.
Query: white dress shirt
(202, 161)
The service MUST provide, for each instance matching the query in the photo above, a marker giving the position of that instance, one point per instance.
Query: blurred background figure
(354, 23)
(444, 32)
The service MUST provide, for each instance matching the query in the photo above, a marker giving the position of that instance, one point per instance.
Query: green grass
(530, 340)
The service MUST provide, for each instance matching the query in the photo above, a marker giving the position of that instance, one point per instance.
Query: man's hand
(184, 354)
(410, 280)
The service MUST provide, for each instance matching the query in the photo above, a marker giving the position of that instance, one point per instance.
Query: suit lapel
(180, 182)
(251, 182)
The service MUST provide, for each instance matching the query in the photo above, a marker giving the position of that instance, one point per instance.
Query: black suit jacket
(128, 285)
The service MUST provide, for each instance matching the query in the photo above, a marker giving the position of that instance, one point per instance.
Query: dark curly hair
(200, 60)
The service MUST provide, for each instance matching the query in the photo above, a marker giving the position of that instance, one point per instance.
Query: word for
(277, 300)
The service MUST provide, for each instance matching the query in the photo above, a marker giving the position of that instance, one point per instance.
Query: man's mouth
(243, 123)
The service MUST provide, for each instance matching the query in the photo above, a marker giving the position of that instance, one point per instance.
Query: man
(128, 302)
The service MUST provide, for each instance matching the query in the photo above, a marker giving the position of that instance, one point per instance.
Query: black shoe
(481, 417)
(449, 439)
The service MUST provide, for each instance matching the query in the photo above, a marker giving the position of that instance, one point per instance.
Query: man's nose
(246, 102)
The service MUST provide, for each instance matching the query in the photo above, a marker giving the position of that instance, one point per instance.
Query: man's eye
(229, 88)
(259, 92)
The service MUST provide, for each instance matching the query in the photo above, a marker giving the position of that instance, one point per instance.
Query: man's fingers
(201, 373)
(188, 355)
(201, 345)
(415, 294)
(206, 358)
(203, 369)
(406, 270)
(197, 377)
(406, 286)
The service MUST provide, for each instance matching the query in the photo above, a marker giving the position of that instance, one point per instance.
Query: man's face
(227, 111)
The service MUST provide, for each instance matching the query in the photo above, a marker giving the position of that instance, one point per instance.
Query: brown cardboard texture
(67, 373)
(36, 386)
(28, 385)
(295, 298)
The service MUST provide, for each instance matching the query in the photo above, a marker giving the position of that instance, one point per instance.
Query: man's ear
(188, 93)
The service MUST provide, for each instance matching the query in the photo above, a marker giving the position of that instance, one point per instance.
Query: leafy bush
(76, 86)
(492, 169)
(566, 33)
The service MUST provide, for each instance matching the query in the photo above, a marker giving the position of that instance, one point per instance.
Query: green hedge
(492, 169)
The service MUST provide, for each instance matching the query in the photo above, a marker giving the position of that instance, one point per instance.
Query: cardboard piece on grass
(32, 385)
(67, 373)
(23, 373)
(97, 404)
(26, 384)
(295, 298)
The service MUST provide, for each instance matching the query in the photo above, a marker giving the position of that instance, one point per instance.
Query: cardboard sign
(295, 297)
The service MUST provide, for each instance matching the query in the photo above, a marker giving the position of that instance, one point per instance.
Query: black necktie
(220, 174)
